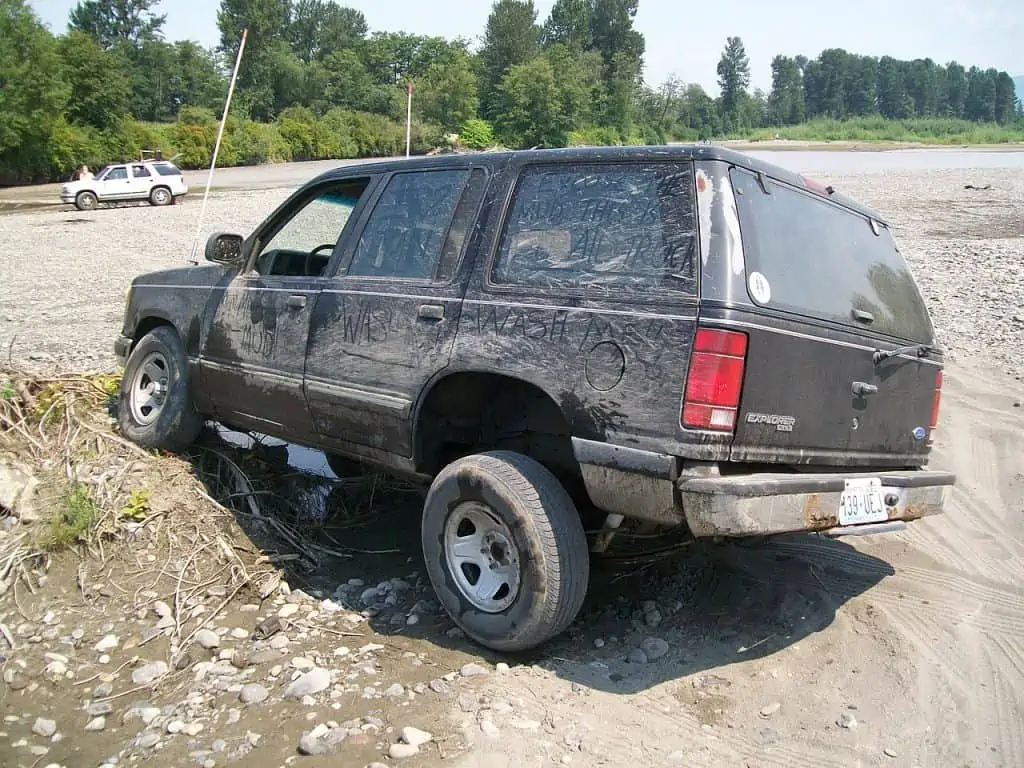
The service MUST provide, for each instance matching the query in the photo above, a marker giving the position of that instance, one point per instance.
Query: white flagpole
(216, 147)
(408, 121)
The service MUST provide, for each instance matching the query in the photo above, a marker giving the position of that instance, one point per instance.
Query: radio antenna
(216, 147)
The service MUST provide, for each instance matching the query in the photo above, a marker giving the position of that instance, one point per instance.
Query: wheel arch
(466, 412)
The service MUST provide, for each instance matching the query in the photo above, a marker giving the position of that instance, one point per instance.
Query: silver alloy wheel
(482, 557)
(161, 196)
(149, 389)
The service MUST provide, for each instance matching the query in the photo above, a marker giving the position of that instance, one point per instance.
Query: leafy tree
(267, 22)
(319, 27)
(511, 38)
(349, 84)
(100, 87)
(198, 79)
(447, 91)
(955, 90)
(892, 101)
(531, 110)
(981, 96)
(733, 79)
(32, 91)
(1005, 96)
(786, 100)
(117, 21)
(614, 36)
(570, 23)
(860, 92)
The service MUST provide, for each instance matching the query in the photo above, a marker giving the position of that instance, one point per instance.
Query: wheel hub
(482, 557)
(149, 388)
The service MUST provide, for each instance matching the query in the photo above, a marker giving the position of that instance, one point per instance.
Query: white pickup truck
(159, 182)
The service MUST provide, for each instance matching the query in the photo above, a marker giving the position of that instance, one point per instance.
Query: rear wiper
(918, 350)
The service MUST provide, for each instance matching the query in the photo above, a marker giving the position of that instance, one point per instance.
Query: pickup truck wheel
(505, 550)
(156, 409)
(85, 201)
(160, 196)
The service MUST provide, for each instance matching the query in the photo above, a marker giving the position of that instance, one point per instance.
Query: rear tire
(86, 201)
(505, 550)
(156, 409)
(160, 196)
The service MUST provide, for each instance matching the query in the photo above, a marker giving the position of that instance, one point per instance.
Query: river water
(809, 161)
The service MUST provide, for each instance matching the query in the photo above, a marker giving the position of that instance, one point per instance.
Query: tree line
(316, 83)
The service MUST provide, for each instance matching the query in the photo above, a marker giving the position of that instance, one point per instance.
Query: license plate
(862, 502)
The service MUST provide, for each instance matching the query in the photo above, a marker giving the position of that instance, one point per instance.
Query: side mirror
(223, 248)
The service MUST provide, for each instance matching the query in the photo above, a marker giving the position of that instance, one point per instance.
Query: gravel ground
(63, 280)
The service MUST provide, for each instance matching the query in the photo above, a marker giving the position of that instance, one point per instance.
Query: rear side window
(812, 257)
(601, 229)
(408, 226)
(166, 169)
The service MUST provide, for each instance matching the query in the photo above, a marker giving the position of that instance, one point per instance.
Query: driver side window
(302, 246)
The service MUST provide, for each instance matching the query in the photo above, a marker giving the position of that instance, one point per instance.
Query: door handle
(431, 312)
(861, 388)
(296, 302)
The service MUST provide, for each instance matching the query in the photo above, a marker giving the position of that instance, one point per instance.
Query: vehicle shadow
(356, 542)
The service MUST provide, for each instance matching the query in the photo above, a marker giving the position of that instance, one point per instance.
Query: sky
(686, 39)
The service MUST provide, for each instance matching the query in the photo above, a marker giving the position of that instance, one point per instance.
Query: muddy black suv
(565, 344)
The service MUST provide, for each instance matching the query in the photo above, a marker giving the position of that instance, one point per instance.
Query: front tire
(86, 201)
(156, 409)
(505, 550)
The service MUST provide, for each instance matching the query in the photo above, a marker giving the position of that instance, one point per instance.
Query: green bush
(477, 134)
(594, 136)
(256, 143)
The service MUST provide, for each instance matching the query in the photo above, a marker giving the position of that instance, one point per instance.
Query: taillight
(935, 401)
(714, 380)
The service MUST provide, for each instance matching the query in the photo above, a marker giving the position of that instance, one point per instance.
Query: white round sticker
(760, 288)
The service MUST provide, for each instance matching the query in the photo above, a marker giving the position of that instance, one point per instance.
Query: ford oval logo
(920, 433)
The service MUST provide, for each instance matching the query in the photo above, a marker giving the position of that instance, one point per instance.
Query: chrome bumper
(762, 504)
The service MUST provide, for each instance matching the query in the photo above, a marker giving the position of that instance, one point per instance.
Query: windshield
(807, 255)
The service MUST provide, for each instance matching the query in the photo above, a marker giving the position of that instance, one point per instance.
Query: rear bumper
(650, 486)
(759, 504)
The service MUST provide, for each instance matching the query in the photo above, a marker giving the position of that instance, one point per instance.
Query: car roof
(495, 160)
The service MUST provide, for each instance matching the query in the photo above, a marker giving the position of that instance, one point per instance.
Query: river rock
(314, 681)
(207, 638)
(253, 693)
(149, 673)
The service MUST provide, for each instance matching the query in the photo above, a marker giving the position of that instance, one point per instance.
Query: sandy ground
(903, 650)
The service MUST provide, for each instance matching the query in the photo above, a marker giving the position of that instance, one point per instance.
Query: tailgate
(826, 288)
(816, 400)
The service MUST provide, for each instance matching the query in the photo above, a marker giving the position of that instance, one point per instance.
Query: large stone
(253, 693)
(414, 736)
(654, 647)
(44, 727)
(314, 681)
(149, 673)
(207, 638)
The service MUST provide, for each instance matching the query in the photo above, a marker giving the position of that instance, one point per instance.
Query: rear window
(166, 169)
(807, 255)
(601, 229)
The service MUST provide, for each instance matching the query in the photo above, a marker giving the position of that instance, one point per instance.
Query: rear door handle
(431, 312)
(861, 388)
(296, 302)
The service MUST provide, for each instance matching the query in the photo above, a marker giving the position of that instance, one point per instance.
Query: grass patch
(878, 129)
(74, 518)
